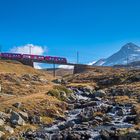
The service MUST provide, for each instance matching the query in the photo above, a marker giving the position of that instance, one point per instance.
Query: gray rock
(120, 112)
(24, 115)
(1, 122)
(35, 119)
(89, 104)
(16, 119)
(8, 110)
(9, 129)
(66, 125)
(1, 134)
(17, 105)
(4, 116)
(13, 138)
(100, 93)
(70, 106)
(57, 81)
(105, 135)
(74, 136)
(130, 119)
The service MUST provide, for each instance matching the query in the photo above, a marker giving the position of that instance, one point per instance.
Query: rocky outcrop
(16, 119)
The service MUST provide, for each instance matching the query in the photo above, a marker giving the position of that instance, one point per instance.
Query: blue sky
(95, 28)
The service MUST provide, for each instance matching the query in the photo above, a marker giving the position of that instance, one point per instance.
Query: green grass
(60, 92)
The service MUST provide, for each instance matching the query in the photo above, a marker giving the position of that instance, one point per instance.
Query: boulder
(1, 134)
(4, 116)
(70, 106)
(1, 122)
(17, 105)
(66, 125)
(130, 119)
(12, 138)
(89, 104)
(9, 129)
(120, 112)
(57, 81)
(74, 136)
(100, 93)
(24, 115)
(105, 135)
(16, 119)
(56, 137)
(35, 119)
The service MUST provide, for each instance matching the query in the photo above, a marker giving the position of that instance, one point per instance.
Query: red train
(16, 56)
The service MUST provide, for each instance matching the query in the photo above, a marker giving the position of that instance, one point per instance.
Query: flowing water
(73, 115)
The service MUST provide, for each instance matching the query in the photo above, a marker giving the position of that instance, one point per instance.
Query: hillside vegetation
(26, 87)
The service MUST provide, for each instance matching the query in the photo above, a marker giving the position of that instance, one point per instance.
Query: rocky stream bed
(89, 118)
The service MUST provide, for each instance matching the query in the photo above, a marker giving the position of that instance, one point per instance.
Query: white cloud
(25, 49)
(65, 67)
(91, 63)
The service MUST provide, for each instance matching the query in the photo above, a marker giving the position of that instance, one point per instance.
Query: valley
(102, 103)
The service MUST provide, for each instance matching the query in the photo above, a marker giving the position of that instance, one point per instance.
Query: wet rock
(97, 99)
(95, 123)
(81, 127)
(100, 93)
(120, 112)
(28, 134)
(99, 119)
(73, 136)
(130, 119)
(16, 119)
(9, 129)
(66, 125)
(56, 137)
(87, 104)
(86, 115)
(77, 105)
(105, 135)
(133, 111)
(41, 135)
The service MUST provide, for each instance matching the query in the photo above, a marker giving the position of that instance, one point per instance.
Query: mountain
(100, 62)
(127, 54)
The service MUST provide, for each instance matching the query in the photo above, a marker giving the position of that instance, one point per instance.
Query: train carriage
(33, 57)
(11, 56)
(55, 59)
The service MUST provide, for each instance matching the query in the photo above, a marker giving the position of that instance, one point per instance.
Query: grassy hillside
(7, 66)
(28, 86)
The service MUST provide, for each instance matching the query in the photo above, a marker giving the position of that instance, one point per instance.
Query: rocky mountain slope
(127, 54)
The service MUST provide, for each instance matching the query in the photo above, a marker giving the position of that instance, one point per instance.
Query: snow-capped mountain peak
(127, 54)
